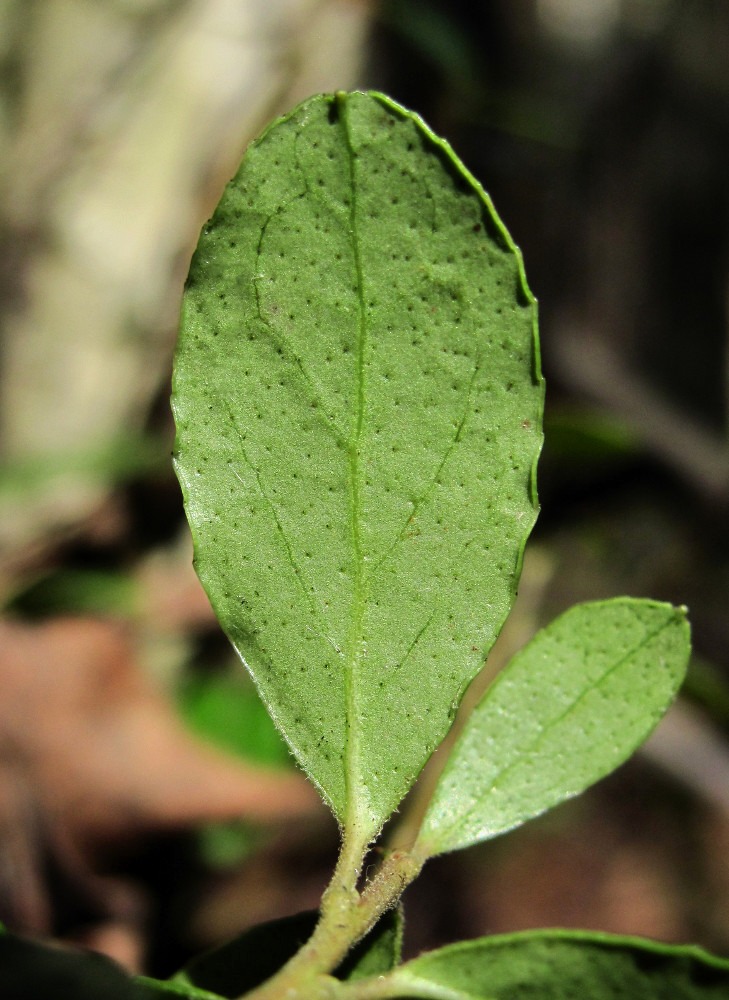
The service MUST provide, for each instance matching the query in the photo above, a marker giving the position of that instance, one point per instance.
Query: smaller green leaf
(566, 711)
(562, 965)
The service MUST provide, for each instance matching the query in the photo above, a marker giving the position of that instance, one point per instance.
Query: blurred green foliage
(226, 710)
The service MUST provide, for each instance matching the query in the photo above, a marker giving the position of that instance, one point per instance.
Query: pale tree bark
(120, 123)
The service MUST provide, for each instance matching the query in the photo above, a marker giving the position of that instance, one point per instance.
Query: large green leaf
(562, 965)
(358, 403)
(567, 710)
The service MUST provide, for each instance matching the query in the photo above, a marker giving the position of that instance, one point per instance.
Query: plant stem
(346, 916)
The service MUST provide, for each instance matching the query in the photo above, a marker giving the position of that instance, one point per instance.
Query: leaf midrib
(355, 818)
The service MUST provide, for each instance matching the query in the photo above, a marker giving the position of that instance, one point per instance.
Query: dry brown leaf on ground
(91, 756)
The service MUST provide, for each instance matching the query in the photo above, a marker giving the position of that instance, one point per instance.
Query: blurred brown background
(601, 130)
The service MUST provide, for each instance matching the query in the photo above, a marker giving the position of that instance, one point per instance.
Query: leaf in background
(116, 460)
(568, 709)
(146, 988)
(378, 952)
(226, 845)
(30, 970)
(254, 956)
(225, 709)
(581, 437)
(358, 403)
(76, 591)
(556, 965)
(249, 959)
